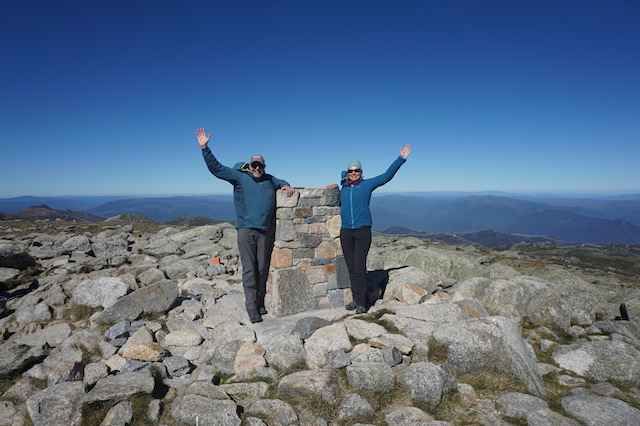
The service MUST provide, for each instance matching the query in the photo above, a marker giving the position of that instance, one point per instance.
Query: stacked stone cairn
(308, 269)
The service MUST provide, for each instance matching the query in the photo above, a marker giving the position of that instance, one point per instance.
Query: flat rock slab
(600, 411)
(120, 387)
(57, 405)
(198, 410)
(157, 297)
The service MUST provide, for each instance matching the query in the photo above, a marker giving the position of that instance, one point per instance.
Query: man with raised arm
(254, 199)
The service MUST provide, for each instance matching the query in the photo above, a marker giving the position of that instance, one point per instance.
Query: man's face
(257, 169)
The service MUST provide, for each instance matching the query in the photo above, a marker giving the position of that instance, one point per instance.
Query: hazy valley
(490, 220)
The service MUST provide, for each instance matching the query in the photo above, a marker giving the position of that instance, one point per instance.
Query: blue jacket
(254, 199)
(354, 200)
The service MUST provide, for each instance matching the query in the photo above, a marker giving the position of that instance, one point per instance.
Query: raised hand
(404, 152)
(203, 139)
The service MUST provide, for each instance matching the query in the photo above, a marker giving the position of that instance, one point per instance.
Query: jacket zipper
(353, 225)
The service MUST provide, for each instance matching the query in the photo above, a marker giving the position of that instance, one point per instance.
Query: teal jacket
(254, 199)
(354, 200)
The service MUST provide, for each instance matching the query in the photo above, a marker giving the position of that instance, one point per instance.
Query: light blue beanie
(354, 162)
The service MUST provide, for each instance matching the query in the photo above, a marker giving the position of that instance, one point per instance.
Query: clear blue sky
(104, 97)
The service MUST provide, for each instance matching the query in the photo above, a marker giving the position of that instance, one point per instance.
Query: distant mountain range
(44, 212)
(597, 220)
(163, 209)
(574, 221)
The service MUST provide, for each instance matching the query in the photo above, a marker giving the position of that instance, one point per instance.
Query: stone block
(333, 224)
(302, 228)
(281, 258)
(310, 240)
(288, 244)
(326, 250)
(312, 192)
(332, 281)
(332, 197)
(284, 213)
(325, 211)
(320, 290)
(336, 298)
(342, 273)
(303, 253)
(283, 201)
(315, 274)
(323, 303)
(303, 212)
(317, 228)
(291, 292)
(315, 219)
(302, 263)
(310, 202)
(285, 230)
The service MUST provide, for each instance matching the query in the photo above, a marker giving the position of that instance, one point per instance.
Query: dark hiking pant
(355, 247)
(255, 248)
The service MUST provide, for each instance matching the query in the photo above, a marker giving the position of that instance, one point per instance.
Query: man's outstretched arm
(218, 170)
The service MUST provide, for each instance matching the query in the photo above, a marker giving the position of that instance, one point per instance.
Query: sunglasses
(355, 171)
(257, 165)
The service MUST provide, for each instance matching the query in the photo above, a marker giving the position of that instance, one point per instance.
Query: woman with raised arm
(355, 232)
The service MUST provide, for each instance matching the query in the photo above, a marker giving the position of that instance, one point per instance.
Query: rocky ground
(114, 324)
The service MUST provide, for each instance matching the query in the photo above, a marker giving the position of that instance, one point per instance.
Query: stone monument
(308, 270)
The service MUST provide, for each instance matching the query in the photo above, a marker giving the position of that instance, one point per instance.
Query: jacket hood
(241, 166)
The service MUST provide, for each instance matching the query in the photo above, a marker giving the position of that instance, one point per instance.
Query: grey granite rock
(305, 383)
(519, 405)
(198, 410)
(279, 412)
(370, 376)
(120, 329)
(428, 382)
(104, 291)
(292, 291)
(57, 405)
(177, 366)
(407, 416)
(52, 335)
(12, 256)
(323, 341)
(157, 297)
(119, 415)
(16, 357)
(600, 411)
(305, 327)
(355, 406)
(120, 386)
(492, 342)
(601, 360)
(284, 351)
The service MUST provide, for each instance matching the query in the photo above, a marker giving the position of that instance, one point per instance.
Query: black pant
(355, 247)
(255, 248)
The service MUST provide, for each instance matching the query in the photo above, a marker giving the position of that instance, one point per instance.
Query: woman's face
(354, 173)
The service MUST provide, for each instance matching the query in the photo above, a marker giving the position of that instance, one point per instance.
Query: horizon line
(554, 193)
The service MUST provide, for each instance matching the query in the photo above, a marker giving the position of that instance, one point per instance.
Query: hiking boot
(351, 306)
(254, 316)
(361, 310)
(262, 310)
